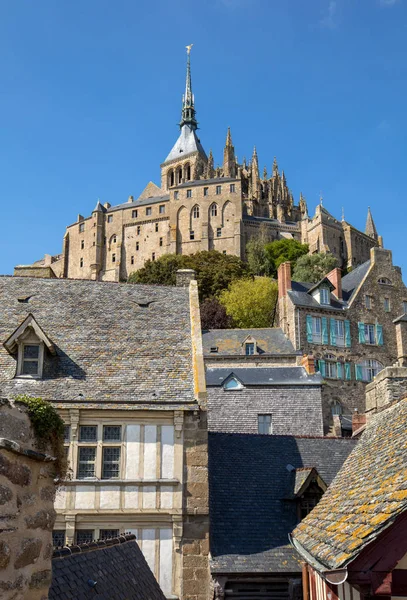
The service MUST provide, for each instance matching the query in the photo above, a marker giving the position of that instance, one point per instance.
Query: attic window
(249, 348)
(385, 281)
(30, 360)
(214, 349)
(232, 384)
(324, 296)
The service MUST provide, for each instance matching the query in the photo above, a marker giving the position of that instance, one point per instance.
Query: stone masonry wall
(195, 546)
(26, 509)
(295, 410)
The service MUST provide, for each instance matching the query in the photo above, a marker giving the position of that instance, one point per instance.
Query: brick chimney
(184, 277)
(308, 362)
(284, 279)
(358, 420)
(335, 277)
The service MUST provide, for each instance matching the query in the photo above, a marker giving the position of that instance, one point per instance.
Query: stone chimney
(401, 340)
(335, 277)
(130, 199)
(308, 362)
(184, 277)
(358, 420)
(284, 279)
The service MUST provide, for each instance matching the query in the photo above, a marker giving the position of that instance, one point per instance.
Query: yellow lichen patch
(380, 518)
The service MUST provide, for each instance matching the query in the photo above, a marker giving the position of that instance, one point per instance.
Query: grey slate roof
(248, 481)
(271, 340)
(108, 347)
(187, 143)
(117, 566)
(138, 203)
(263, 376)
(218, 180)
(353, 279)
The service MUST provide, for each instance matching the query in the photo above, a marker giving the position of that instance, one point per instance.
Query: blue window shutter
(332, 331)
(321, 364)
(361, 329)
(309, 329)
(379, 335)
(347, 334)
(325, 330)
(359, 372)
(347, 371)
(339, 373)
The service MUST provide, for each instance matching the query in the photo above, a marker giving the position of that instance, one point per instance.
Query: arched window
(384, 281)
(114, 239)
(367, 369)
(171, 179)
(336, 408)
(179, 175)
(187, 171)
(214, 210)
(195, 212)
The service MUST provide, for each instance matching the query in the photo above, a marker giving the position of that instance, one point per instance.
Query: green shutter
(359, 372)
(361, 329)
(325, 330)
(348, 375)
(309, 329)
(347, 334)
(332, 331)
(321, 364)
(339, 373)
(379, 335)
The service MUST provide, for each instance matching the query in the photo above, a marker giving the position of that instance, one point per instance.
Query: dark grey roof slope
(138, 203)
(271, 340)
(353, 279)
(248, 481)
(109, 347)
(303, 298)
(117, 566)
(263, 376)
(197, 182)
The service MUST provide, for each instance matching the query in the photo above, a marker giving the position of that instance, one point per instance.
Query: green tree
(313, 267)
(281, 251)
(214, 271)
(256, 254)
(251, 302)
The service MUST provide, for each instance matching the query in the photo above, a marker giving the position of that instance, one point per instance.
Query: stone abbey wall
(27, 515)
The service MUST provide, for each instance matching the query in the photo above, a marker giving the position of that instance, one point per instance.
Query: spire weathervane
(189, 48)
(188, 109)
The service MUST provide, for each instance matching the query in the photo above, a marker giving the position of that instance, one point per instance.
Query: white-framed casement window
(264, 424)
(249, 348)
(370, 334)
(340, 332)
(30, 359)
(324, 296)
(367, 370)
(99, 460)
(316, 330)
(331, 371)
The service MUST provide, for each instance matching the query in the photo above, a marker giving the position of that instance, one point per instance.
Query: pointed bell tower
(229, 159)
(370, 229)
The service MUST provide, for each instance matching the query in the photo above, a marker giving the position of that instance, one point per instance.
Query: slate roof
(108, 347)
(271, 340)
(117, 566)
(353, 279)
(366, 496)
(248, 481)
(262, 376)
(218, 180)
(186, 144)
(138, 203)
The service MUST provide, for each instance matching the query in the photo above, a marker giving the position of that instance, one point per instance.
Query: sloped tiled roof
(368, 493)
(271, 340)
(248, 481)
(352, 280)
(186, 144)
(263, 376)
(108, 347)
(117, 566)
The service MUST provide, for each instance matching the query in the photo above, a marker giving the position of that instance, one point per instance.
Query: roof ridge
(65, 551)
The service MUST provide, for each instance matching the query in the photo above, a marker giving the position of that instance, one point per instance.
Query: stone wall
(26, 508)
(295, 410)
(387, 387)
(195, 545)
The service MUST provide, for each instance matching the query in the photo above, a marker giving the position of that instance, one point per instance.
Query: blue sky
(90, 98)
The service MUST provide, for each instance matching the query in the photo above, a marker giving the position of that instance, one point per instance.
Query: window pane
(30, 367)
(86, 462)
(58, 537)
(264, 424)
(108, 533)
(249, 349)
(111, 463)
(67, 433)
(87, 433)
(84, 536)
(112, 433)
(31, 351)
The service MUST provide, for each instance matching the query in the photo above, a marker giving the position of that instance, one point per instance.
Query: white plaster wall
(166, 561)
(110, 496)
(148, 547)
(133, 452)
(149, 496)
(131, 497)
(150, 452)
(166, 496)
(85, 497)
(167, 451)
(60, 498)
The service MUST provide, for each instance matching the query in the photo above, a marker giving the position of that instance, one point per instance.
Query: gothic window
(187, 172)
(214, 210)
(114, 239)
(171, 180)
(195, 212)
(179, 175)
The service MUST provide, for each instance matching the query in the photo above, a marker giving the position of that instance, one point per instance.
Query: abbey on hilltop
(199, 207)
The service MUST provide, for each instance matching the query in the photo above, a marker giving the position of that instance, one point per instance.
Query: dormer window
(249, 347)
(232, 384)
(384, 281)
(324, 296)
(29, 362)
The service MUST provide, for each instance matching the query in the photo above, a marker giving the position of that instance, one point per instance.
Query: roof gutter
(334, 576)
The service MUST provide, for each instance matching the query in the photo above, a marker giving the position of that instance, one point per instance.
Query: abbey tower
(199, 207)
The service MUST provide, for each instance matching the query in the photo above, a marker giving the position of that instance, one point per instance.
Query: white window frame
(214, 210)
(331, 369)
(264, 424)
(370, 334)
(30, 341)
(370, 368)
(250, 346)
(99, 444)
(238, 385)
(316, 336)
(340, 336)
(324, 296)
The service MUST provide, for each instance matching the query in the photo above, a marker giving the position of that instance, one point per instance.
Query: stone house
(354, 542)
(198, 206)
(346, 324)
(123, 364)
(260, 486)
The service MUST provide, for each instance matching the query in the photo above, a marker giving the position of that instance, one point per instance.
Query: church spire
(188, 107)
(370, 229)
(229, 159)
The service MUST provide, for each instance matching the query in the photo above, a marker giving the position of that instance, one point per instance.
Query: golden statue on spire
(189, 48)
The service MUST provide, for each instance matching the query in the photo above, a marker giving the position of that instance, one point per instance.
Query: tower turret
(370, 229)
(229, 159)
(188, 100)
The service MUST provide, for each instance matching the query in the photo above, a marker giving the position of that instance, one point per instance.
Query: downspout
(305, 581)
(299, 330)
